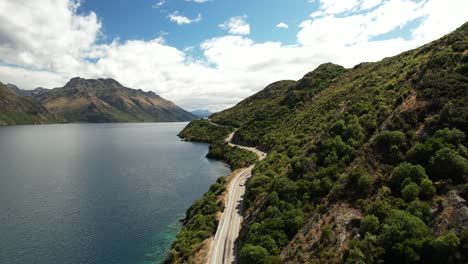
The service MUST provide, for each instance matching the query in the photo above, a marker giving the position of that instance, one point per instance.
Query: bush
(327, 235)
(420, 209)
(427, 190)
(391, 145)
(370, 224)
(365, 183)
(403, 237)
(416, 173)
(419, 154)
(451, 136)
(448, 164)
(251, 254)
(410, 192)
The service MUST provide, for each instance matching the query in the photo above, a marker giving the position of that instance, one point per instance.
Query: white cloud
(282, 25)
(236, 25)
(46, 43)
(159, 4)
(179, 19)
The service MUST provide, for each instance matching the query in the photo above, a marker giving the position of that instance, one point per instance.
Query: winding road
(223, 249)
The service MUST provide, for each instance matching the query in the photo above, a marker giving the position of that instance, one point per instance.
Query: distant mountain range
(202, 113)
(87, 100)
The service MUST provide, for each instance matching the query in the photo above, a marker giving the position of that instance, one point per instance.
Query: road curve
(223, 248)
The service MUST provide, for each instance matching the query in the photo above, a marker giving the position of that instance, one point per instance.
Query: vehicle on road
(242, 183)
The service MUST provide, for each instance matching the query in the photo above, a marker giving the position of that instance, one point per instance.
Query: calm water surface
(97, 193)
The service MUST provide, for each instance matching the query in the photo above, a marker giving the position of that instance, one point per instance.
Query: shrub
(451, 136)
(448, 164)
(403, 237)
(365, 183)
(410, 192)
(420, 209)
(251, 254)
(327, 235)
(419, 154)
(364, 251)
(370, 224)
(390, 145)
(415, 173)
(427, 190)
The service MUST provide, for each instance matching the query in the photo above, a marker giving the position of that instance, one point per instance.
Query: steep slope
(106, 100)
(16, 110)
(365, 165)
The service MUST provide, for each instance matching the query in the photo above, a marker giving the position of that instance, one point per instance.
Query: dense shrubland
(385, 141)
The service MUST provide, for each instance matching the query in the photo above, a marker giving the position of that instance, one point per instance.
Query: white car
(242, 183)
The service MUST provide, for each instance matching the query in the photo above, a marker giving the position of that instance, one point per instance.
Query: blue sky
(138, 19)
(207, 54)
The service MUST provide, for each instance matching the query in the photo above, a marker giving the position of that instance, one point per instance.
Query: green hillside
(365, 165)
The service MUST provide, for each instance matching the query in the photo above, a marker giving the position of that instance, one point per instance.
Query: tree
(410, 192)
(448, 164)
(370, 224)
(447, 242)
(415, 173)
(427, 190)
(451, 136)
(403, 236)
(251, 254)
(390, 145)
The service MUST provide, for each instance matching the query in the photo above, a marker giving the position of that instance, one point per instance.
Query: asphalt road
(223, 249)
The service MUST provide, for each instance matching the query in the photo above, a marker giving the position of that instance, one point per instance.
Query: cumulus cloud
(282, 25)
(158, 4)
(47, 42)
(179, 19)
(236, 25)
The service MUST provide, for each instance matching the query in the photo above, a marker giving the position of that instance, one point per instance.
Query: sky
(207, 54)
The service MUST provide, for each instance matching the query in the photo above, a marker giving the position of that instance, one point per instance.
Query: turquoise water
(97, 193)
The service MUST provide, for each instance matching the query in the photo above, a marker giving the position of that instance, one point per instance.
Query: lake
(97, 193)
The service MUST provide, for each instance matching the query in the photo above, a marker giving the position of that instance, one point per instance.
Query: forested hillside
(365, 165)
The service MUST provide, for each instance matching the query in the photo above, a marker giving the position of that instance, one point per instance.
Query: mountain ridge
(364, 165)
(104, 100)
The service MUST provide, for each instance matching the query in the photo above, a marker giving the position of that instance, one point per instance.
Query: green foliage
(410, 192)
(251, 254)
(445, 247)
(200, 224)
(403, 237)
(448, 164)
(370, 224)
(391, 145)
(360, 182)
(395, 118)
(414, 173)
(427, 189)
(236, 157)
(204, 131)
(327, 235)
(420, 209)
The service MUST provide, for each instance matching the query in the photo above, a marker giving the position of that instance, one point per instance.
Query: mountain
(202, 113)
(364, 165)
(26, 93)
(16, 110)
(106, 100)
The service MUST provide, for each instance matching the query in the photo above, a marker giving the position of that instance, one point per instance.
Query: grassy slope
(331, 152)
